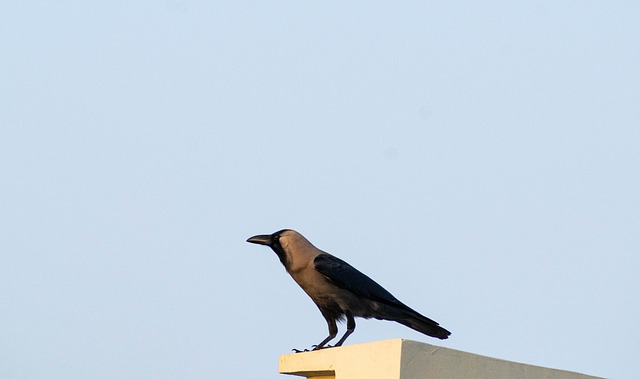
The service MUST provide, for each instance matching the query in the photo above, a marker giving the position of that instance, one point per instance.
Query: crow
(339, 290)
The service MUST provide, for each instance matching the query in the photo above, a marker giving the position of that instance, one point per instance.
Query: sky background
(479, 160)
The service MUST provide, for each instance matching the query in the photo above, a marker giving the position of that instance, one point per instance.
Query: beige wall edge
(404, 359)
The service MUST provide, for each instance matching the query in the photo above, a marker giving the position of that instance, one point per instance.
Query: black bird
(339, 290)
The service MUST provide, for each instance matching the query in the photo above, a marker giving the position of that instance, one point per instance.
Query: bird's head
(283, 243)
(274, 242)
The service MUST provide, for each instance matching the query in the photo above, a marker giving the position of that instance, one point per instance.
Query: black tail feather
(425, 326)
(408, 317)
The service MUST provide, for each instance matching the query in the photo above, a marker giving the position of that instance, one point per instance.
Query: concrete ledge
(403, 359)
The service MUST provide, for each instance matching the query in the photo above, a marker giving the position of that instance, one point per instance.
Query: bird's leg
(333, 332)
(351, 326)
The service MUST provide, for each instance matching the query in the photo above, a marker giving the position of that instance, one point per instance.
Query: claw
(315, 347)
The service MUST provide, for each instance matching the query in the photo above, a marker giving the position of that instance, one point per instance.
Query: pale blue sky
(479, 160)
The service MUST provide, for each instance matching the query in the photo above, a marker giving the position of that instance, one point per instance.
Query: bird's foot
(313, 348)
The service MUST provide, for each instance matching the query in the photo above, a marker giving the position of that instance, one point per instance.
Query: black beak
(262, 239)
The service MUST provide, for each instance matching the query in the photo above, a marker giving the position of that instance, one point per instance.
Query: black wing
(346, 276)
